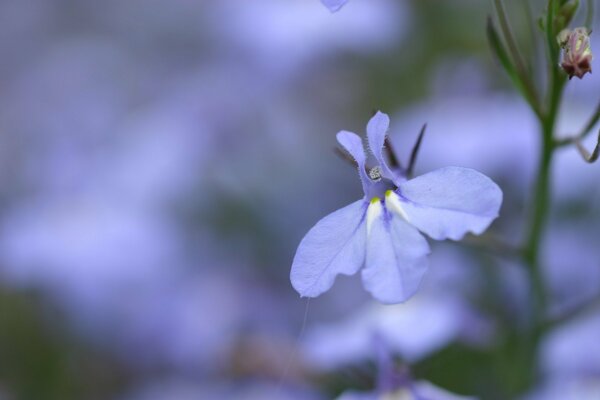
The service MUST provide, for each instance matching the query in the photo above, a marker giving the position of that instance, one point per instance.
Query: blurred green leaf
(507, 64)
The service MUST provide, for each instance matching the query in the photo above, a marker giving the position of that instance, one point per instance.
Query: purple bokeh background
(160, 161)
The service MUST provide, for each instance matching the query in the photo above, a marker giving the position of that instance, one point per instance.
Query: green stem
(542, 195)
(541, 201)
(540, 207)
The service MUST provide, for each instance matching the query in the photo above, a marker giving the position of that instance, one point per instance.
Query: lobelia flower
(381, 231)
(420, 390)
(334, 5)
(394, 383)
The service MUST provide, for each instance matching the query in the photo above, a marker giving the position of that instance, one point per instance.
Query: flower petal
(334, 5)
(354, 145)
(427, 390)
(353, 395)
(377, 128)
(335, 245)
(451, 201)
(395, 260)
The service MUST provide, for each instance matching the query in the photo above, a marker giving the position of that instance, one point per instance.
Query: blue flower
(396, 383)
(380, 232)
(412, 391)
(334, 5)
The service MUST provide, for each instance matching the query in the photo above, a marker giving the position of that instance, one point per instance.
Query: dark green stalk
(542, 190)
(541, 201)
(540, 208)
(539, 211)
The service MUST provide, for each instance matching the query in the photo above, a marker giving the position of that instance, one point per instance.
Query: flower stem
(541, 201)
(539, 212)
(542, 190)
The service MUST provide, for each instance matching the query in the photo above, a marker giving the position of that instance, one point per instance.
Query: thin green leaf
(500, 52)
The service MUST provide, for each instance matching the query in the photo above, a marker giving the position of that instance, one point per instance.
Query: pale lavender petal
(395, 260)
(335, 245)
(334, 5)
(420, 390)
(413, 330)
(572, 348)
(354, 145)
(352, 395)
(427, 390)
(451, 201)
(377, 128)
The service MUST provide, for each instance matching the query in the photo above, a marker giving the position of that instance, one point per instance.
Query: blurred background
(161, 160)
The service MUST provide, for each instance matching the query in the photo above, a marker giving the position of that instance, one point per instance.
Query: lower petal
(396, 259)
(335, 245)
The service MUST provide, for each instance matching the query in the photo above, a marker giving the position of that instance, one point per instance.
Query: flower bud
(577, 52)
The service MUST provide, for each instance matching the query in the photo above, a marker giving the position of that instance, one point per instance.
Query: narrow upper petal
(335, 245)
(377, 129)
(334, 5)
(354, 145)
(451, 201)
(395, 260)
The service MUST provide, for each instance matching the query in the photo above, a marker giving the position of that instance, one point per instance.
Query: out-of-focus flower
(413, 391)
(438, 315)
(571, 270)
(577, 52)
(413, 331)
(381, 231)
(570, 361)
(305, 33)
(394, 383)
(475, 128)
(572, 349)
(188, 389)
(334, 5)
(570, 389)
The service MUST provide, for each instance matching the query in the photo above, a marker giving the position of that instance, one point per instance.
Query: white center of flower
(374, 211)
(393, 203)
